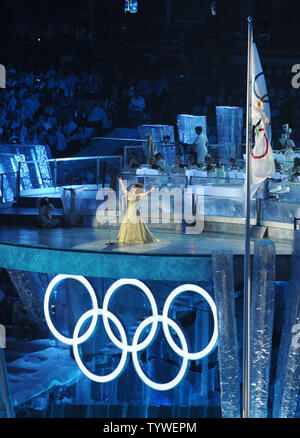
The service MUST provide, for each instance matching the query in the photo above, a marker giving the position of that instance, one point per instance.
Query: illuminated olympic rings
(259, 157)
(261, 99)
(122, 343)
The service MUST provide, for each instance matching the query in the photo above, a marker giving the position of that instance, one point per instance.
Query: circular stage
(84, 251)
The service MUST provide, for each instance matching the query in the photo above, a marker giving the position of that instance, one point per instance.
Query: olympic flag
(262, 164)
(259, 166)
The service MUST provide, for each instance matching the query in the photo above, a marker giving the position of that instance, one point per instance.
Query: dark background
(181, 38)
(189, 22)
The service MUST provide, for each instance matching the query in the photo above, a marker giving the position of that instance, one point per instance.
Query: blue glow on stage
(149, 221)
(45, 378)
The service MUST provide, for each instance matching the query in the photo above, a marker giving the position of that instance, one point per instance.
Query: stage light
(131, 6)
(213, 8)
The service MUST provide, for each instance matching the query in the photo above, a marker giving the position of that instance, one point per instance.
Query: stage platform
(84, 251)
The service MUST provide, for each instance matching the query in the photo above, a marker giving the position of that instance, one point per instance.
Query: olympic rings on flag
(261, 99)
(259, 157)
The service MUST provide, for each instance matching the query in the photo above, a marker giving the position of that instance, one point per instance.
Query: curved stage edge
(105, 264)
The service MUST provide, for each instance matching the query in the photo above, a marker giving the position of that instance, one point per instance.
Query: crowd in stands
(60, 107)
(69, 102)
(65, 105)
(65, 109)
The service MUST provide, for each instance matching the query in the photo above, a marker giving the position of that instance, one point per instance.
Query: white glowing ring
(212, 343)
(52, 285)
(123, 345)
(112, 289)
(123, 361)
(160, 386)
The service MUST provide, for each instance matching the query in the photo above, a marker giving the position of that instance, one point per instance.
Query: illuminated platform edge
(119, 265)
(108, 265)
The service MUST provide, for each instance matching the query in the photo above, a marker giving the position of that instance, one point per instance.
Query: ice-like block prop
(279, 211)
(186, 124)
(9, 164)
(24, 170)
(229, 127)
(39, 170)
(217, 206)
(30, 287)
(287, 191)
(287, 383)
(42, 158)
(6, 406)
(12, 166)
(226, 200)
(8, 168)
(158, 133)
(228, 353)
(262, 316)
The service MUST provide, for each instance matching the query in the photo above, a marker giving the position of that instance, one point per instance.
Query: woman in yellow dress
(133, 229)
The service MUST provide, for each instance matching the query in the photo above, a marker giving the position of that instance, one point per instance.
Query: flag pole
(247, 280)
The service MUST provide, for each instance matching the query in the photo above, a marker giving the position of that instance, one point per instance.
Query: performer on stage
(45, 218)
(199, 147)
(133, 229)
(285, 139)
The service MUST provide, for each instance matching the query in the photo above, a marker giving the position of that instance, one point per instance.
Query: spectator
(2, 116)
(153, 164)
(217, 162)
(45, 218)
(132, 164)
(289, 153)
(24, 132)
(160, 162)
(192, 164)
(278, 172)
(295, 171)
(136, 107)
(233, 165)
(60, 141)
(97, 114)
(178, 166)
(69, 127)
(218, 168)
(208, 163)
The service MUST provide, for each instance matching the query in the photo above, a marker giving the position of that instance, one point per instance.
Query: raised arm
(142, 195)
(123, 187)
